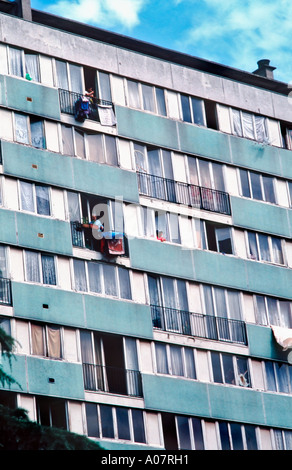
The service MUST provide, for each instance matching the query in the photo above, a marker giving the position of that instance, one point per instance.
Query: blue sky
(237, 33)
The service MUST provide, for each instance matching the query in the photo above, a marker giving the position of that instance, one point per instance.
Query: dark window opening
(211, 115)
(51, 412)
(169, 431)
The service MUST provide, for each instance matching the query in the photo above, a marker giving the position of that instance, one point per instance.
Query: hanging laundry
(82, 109)
(113, 243)
(106, 115)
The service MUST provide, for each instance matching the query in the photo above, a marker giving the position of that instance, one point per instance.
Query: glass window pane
(205, 174)
(138, 426)
(92, 420)
(32, 266)
(94, 275)
(160, 100)
(111, 150)
(228, 369)
(105, 88)
(224, 240)
(224, 435)
(42, 200)
(174, 228)
(236, 436)
(176, 360)
(273, 311)
(245, 190)
(95, 148)
(193, 171)
(198, 111)
(264, 247)
(186, 110)
(183, 432)
(21, 128)
(80, 144)
(133, 94)
(236, 120)
(79, 275)
(248, 127)
(216, 366)
(243, 378)
(54, 342)
(26, 196)
(218, 177)
(76, 78)
(86, 347)
(288, 439)
(15, 62)
(61, 75)
(125, 286)
(268, 183)
(67, 140)
(261, 133)
(107, 424)
(270, 376)
(160, 224)
(73, 206)
(198, 434)
(250, 435)
(256, 186)
(37, 340)
(190, 364)
(279, 442)
(3, 264)
(110, 283)
(148, 229)
(32, 66)
(48, 267)
(148, 98)
(282, 377)
(285, 313)
(123, 424)
(252, 246)
(37, 133)
(161, 359)
(277, 250)
(260, 310)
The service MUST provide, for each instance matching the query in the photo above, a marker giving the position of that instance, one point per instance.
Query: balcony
(183, 193)
(5, 291)
(112, 380)
(198, 325)
(68, 99)
(109, 243)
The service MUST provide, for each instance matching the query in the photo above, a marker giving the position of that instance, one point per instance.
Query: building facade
(169, 326)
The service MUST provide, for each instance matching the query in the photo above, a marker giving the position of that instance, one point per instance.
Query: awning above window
(283, 336)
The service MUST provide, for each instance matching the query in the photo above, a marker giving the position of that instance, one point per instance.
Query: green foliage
(17, 432)
(7, 345)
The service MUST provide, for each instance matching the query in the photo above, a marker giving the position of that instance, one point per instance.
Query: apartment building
(167, 323)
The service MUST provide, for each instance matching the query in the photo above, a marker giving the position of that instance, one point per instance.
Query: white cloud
(104, 13)
(241, 33)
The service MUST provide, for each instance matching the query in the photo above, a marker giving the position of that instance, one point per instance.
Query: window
(282, 439)
(69, 76)
(24, 64)
(230, 369)
(289, 183)
(146, 97)
(104, 86)
(110, 364)
(271, 311)
(265, 248)
(175, 360)
(278, 377)
(34, 198)
(235, 436)
(256, 186)
(46, 341)
(160, 224)
(216, 237)
(102, 279)
(190, 433)
(51, 412)
(193, 110)
(40, 268)
(29, 130)
(116, 423)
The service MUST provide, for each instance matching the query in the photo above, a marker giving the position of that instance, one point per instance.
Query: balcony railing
(112, 380)
(198, 325)
(69, 98)
(5, 291)
(183, 193)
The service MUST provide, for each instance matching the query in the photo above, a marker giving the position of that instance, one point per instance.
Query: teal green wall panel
(118, 316)
(158, 257)
(269, 279)
(236, 404)
(17, 370)
(278, 410)
(65, 308)
(8, 227)
(146, 127)
(30, 97)
(203, 142)
(56, 233)
(68, 378)
(69, 172)
(261, 343)
(121, 446)
(260, 216)
(175, 395)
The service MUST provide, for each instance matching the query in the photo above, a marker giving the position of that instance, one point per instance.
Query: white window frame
(41, 282)
(269, 238)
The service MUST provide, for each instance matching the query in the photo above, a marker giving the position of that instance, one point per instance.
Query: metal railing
(5, 291)
(198, 325)
(77, 234)
(68, 99)
(184, 193)
(112, 380)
